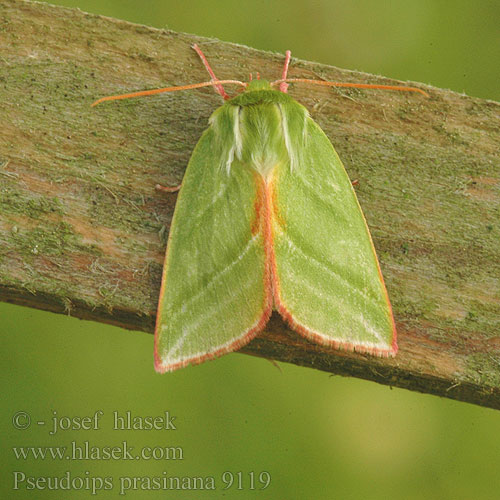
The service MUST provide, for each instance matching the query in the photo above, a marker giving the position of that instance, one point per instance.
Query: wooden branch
(82, 230)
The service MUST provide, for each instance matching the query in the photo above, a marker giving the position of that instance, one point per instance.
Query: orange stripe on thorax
(271, 213)
(259, 205)
(264, 211)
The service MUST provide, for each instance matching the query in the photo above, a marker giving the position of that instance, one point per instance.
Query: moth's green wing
(328, 284)
(214, 295)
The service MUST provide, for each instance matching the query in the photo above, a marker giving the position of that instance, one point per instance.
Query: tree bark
(83, 231)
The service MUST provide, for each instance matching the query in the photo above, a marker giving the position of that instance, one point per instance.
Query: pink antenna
(350, 85)
(166, 89)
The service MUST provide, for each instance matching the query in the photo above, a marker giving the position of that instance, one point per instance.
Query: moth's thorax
(260, 130)
(262, 141)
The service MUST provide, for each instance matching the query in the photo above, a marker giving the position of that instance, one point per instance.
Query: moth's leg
(218, 88)
(284, 85)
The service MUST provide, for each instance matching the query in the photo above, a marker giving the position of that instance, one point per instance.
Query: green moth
(267, 219)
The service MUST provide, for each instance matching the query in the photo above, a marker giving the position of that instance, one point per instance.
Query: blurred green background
(318, 436)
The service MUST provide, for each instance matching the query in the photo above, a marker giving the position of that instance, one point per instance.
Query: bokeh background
(318, 436)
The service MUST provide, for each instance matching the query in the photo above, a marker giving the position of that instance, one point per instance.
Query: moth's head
(255, 85)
